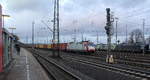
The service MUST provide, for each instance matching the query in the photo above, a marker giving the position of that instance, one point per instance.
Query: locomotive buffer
(109, 32)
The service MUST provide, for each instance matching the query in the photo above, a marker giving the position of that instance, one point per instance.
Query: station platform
(25, 67)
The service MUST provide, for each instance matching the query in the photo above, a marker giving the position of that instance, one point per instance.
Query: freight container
(49, 46)
(36, 46)
(41, 46)
(45, 46)
(63, 46)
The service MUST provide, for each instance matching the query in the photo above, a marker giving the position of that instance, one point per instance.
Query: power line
(47, 26)
(137, 14)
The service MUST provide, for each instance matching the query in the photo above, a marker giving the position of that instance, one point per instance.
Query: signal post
(109, 32)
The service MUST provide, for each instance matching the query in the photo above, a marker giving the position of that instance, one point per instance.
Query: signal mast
(109, 31)
(56, 39)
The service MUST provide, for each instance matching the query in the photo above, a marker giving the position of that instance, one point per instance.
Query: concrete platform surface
(26, 67)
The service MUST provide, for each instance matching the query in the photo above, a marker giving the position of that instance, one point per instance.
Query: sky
(87, 17)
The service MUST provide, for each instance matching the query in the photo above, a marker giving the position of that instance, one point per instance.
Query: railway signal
(109, 32)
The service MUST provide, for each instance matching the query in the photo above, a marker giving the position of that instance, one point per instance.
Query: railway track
(125, 54)
(55, 71)
(128, 61)
(144, 75)
(131, 71)
(136, 60)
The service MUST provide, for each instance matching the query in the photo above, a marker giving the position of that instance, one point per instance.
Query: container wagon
(62, 46)
(104, 47)
(136, 47)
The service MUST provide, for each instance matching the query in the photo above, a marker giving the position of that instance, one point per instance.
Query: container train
(82, 47)
(88, 47)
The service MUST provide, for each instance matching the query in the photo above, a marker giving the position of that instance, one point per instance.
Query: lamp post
(3, 16)
(143, 36)
(33, 23)
(116, 29)
(12, 28)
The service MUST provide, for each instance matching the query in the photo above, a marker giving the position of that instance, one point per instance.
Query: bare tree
(136, 36)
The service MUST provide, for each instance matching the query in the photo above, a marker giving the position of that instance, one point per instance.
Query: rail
(57, 72)
(129, 71)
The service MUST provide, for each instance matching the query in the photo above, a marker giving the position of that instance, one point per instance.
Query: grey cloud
(81, 5)
(90, 14)
(124, 3)
(86, 3)
(33, 5)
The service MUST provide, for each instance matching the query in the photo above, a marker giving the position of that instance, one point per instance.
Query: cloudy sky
(86, 16)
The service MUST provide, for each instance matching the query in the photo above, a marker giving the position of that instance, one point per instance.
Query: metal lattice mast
(54, 25)
(56, 28)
